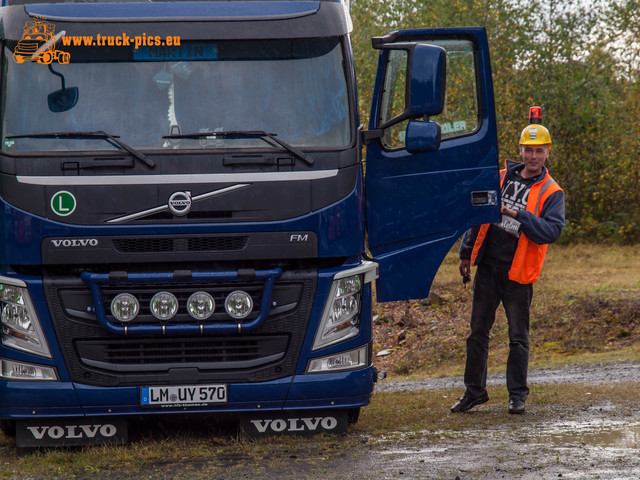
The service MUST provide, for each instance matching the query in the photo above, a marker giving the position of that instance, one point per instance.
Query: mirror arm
(380, 42)
(59, 75)
(370, 136)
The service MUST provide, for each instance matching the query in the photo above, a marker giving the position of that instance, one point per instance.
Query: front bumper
(346, 390)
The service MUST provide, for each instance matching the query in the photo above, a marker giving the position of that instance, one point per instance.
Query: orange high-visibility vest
(529, 257)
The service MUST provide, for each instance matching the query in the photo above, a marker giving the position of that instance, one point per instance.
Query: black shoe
(467, 403)
(516, 407)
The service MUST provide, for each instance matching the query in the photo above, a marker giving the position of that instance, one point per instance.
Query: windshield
(295, 89)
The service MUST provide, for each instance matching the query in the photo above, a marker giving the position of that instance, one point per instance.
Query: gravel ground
(594, 373)
(600, 441)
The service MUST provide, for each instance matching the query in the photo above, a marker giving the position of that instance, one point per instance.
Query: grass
(586, 308)
(426, 413)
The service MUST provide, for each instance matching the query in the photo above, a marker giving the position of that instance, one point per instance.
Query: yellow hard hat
(535, 134)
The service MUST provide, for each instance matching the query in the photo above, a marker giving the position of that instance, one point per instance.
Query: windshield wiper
(99, 134)
(249, 134)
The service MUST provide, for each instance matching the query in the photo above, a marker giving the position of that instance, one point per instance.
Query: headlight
(21, 327)
(341, 316)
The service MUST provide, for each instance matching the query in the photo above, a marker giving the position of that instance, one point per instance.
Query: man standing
(509, 256)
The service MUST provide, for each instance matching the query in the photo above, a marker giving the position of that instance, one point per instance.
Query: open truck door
(432, 157)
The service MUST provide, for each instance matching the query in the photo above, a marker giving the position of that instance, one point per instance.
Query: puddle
(605, 435)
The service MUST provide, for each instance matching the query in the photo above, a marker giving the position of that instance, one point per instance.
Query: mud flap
(297, 422)
(71, 432)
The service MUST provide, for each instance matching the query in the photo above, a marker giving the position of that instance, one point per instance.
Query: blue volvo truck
(188, 223)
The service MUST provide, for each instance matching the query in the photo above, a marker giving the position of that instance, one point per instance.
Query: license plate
(183, 395)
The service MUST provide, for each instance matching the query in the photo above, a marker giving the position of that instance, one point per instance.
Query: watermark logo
(38, 44)
(39, 40)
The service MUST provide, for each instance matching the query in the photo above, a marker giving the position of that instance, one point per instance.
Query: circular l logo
(63, 203)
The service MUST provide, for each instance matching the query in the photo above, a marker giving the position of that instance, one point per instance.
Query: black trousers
(490, 287)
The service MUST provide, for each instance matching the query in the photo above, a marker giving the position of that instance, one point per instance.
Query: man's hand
(508, 211)
(465, 267)
(465, 270)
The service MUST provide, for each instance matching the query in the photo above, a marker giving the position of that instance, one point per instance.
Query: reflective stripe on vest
(529, 257)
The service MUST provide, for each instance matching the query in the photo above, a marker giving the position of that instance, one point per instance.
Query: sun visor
(170, 11)
(193, 20)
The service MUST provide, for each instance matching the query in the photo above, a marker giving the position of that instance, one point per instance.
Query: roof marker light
(535, 115)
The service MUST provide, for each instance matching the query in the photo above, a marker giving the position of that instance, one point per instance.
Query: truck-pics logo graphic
(38, 44)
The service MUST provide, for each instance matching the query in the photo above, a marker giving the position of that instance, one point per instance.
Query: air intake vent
(180, 244)
(207, 244)
(214, 354)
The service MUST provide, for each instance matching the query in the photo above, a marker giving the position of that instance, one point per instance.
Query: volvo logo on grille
(74, 242)
(180, 203)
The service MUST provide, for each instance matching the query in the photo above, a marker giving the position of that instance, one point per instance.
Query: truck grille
(180, 244)
(156, 354)
(95, 357)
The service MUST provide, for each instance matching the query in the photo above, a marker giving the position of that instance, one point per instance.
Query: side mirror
(63, 100)
(428, 70)
(421, 69)
(423, 137)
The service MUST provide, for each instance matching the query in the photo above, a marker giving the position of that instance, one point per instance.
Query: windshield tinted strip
(178, 179)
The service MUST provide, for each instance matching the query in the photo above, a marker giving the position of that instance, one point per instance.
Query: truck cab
(190, 225)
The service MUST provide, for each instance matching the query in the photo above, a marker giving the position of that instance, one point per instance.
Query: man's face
(534, 157)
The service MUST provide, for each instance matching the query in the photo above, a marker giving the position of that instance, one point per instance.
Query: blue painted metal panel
(418, 205)
(332, 389)
(22, 399)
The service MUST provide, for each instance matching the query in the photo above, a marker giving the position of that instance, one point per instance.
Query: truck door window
(461, 112)
(393, 100)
